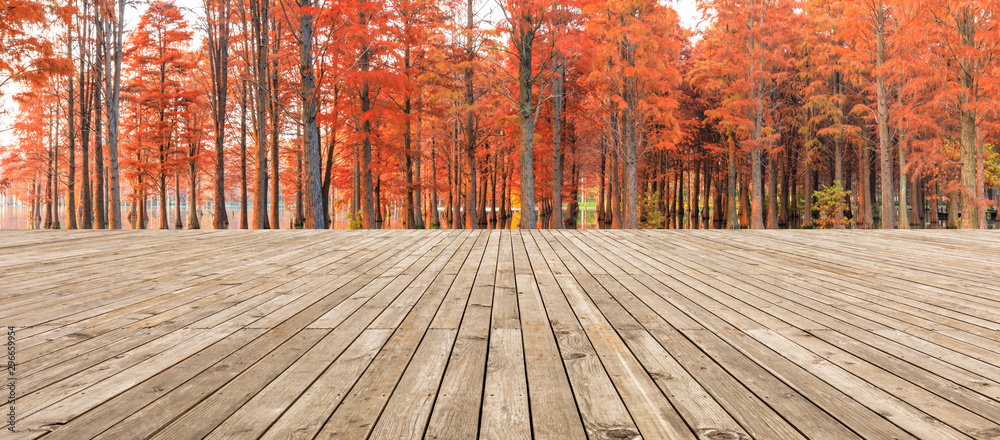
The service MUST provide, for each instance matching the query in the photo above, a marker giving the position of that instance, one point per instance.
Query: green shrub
(649, 210)
(831, 202)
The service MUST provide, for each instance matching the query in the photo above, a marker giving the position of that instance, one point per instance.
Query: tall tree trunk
(757, 178)
(328, 205)
(864, 180)
(456, 179)
(435, 220)
(115, 202)
(85, 109)
(557, 115)
(409, 220)
(882, 116)
(417, 184)
(178, 223)
(71, 125)
(49, 174)
(311, 183)
(368, 207)
(523, 41)
(275, 130)
(772, 192)
(599, 208)
(218, 57)
(244, 218)
(55, 170)
(731, 221)
(904, 218)
(745, 208)
(616, 192)
(99, 208)
(967, 119)
(470, 133)
(193, 221)
(785, 196)
(260, 30)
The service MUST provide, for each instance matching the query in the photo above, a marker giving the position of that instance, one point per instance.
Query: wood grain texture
(468, 334)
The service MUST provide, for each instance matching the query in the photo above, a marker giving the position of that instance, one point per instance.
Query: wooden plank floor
(504, 334)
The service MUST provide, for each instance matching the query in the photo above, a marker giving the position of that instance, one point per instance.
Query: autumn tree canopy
(512, 113)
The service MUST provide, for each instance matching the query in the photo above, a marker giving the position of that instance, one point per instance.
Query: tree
(217, 15)
(157, 54)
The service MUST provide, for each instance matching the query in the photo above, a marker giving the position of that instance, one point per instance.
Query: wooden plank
(601, 407)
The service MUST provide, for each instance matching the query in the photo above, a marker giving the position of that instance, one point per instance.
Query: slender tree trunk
(328, 205)
(435, 219)
(99, 208)
(456, 179)
(599, 207)
(275, 111)
(904, 218)
(772, 192)
(49, 175)
(783, 177)
(244, 218)
(882, 116)
(71, 126)
(260, 17)
(86, 90)
(557, 115)
(217, 12)
(616, 193)
(417, 184)
(193, 221)
(757, 178)
(311, 183)
(523, 42)
(178, 223)
(368, 207)
(55, 169)
(409, 220)
(731, 222)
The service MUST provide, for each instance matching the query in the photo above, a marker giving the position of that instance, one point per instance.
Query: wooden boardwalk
(504, 334)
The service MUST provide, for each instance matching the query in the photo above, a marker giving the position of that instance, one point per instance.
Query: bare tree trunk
(366, 129)
(599, 208)
(434, 218)
(218, 57)
(260, 15)
(178, 223)
(616, 192)
(71, 125)
(772, 192)
(732, 222)
(864, 181)
(309, 156)
(757, 178)
(557, 114)
(55, 170)
(417, 184)
(275, 221)
(244, 218)
(904, 218)
(193, 221)
(85, 113)
(882, 116)
(99, 208)
(523, 41)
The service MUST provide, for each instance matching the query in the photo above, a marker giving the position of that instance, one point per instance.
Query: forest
(500, 113)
